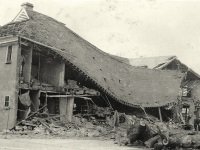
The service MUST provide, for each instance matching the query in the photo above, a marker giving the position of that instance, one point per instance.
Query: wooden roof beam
(63, 96)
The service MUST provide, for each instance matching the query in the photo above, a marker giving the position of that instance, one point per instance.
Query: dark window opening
(7, 101)
(9, 55)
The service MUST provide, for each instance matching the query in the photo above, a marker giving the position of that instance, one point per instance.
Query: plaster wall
(8, 84)
(52, 72)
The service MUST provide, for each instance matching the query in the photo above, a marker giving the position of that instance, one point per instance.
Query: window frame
(7, 101)
(9, 54)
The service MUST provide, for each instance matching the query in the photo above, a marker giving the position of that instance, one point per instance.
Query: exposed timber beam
(160, 114)
(79, 96)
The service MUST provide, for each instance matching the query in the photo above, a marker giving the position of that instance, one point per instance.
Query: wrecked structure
(188, 110)
(46, 67)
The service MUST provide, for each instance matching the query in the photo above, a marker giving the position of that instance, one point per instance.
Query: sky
(127, 28)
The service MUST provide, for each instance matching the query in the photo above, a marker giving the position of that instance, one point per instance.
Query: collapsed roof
(159, 62)
(152, 62)
(124, 83)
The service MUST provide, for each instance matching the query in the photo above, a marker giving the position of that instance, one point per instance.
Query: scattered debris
(123, 129)
(81, 125)
(159, 135)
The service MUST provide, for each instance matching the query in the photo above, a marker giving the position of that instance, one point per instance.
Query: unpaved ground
(60, 144)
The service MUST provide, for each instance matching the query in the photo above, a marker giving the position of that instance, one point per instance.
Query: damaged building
(47, 68)
(188, 109)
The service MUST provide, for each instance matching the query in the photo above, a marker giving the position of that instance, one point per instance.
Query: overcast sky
(129, 28)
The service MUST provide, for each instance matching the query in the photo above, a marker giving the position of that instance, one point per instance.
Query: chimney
(27, 6)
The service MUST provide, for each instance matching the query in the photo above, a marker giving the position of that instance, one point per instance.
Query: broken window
(7, 101)
(186, 92)
(9, 54)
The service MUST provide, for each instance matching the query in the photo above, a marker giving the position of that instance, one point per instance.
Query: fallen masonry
(57, 84)
(160, 135)
(123, 129)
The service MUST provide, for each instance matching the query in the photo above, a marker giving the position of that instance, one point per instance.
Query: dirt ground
(60, 144)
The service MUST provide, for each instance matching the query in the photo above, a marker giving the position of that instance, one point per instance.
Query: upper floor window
(7, 101)
(9, 55)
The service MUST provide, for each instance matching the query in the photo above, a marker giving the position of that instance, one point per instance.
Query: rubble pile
(123, 129)
(100, 111)
(159, 135)
(80, 126)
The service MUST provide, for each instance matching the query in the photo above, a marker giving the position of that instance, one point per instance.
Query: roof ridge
(90, 44)
(153, 57)
(81, 38)
(33, 11)
(123, 81)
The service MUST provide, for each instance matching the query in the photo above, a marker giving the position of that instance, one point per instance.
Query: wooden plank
(24, 43)
(62, 96)
(8, 39)
(46, 126)
(160, 114)
(87, 98)
(31, 115)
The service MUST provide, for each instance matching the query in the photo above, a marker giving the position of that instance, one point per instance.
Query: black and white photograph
(99, 74)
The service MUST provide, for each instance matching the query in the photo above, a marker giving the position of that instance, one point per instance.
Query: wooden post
(66, 108)
(160, 115)
(70, 106)
(39, 66)
(63, 108)
(191, 114)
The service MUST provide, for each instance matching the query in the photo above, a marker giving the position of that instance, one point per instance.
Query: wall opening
(47, 69)
(25, 64)
(9, 55)
(7, 101)
(24, 104)
(53, 106)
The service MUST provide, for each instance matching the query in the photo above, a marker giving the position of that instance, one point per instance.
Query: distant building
(190, 86)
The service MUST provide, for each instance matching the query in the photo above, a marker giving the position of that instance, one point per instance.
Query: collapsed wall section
(47, 69)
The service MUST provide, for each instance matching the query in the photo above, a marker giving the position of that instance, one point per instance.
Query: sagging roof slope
(148, 62)
(158, 62)
(152, 62)
(125, 83)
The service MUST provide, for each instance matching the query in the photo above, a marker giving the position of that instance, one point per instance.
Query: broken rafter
(39, 65)
(86, 98)
(24, 43)
(34, 113)
(160, 114)
(47, 91)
